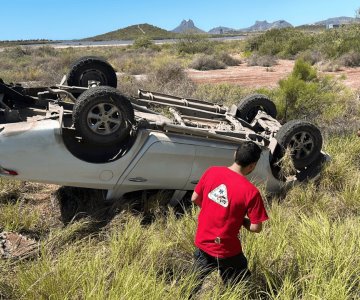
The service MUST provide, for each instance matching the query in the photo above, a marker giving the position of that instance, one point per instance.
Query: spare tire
(102, 115)
(250, 106)
(90, 68)
(303, 139)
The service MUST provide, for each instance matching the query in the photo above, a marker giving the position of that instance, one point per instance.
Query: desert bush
(134, 65)
(269, 48)
(231, 47)
(191, 43)
(144, 42)
(310, 56)
(304, 71)
(169, 77)
(18, 52)
(169, 72)
(207, 62)
(337, 42)
(261, 60)
(227, 59)
(285, 43)
(351, 59)
(328, 66)
(305, 95)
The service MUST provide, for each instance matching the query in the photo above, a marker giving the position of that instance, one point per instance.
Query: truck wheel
(250, 106)
(90, 68)
(304, 140)
(74, 203)
(102, 115)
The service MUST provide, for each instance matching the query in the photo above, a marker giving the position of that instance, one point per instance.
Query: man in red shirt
(225, 197)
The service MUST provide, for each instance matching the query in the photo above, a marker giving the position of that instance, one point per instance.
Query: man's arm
(256, 228)
(196, 199)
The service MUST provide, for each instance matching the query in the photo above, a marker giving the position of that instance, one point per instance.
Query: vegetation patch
(207, 62)
(261, 60)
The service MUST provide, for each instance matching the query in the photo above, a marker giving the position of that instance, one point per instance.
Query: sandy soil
(255, 76)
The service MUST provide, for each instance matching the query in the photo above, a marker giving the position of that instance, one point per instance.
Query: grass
(308, 249)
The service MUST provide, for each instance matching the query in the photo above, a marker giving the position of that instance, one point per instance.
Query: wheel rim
(92, 75)
(104, 118)
(302, 145)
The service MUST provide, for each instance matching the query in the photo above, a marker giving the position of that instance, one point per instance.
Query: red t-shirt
(225, 197)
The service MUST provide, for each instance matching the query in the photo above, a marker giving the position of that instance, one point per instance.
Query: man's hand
(196, 199)
(256, 228)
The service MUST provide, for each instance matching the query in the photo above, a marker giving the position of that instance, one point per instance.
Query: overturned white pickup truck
(104, 140)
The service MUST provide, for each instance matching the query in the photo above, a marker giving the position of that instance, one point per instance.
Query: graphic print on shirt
(219, 195)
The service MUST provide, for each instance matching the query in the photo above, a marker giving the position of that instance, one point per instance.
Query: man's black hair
(247, 153)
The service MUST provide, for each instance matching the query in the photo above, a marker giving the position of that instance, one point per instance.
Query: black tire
(250, 106)
(102, 115)
(74, 203)
(304, 140)
(91, 68)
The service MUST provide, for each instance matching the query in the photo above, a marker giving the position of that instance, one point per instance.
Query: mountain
(264, 25)
(258, 26)
(133, 32)
(221, 30)
(337, 21)
(187, 26)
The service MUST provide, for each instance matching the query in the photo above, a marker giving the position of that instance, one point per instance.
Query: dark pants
(232, 269)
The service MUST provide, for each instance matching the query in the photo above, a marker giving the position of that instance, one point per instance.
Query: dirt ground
(256, 77)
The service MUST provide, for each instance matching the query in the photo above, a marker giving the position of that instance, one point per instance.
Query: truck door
(206, 157)
(165, 165)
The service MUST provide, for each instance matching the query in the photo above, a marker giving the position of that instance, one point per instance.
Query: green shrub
(143, 42)
(191, 43)
(337, 42)
(207, 62)
(304, 71)
(305, 95)
(286, 42)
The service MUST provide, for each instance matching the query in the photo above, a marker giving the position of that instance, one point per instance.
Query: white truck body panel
(156, 160)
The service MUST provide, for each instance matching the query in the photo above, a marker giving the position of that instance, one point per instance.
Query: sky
(76, 19)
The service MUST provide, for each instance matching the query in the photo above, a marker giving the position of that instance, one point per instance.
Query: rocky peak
(187, 25)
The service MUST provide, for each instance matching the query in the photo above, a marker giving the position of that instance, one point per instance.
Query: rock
(16, 246)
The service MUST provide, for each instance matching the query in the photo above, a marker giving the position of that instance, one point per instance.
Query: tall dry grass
(308, 249)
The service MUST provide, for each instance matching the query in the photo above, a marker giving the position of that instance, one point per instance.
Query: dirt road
(255, 76)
